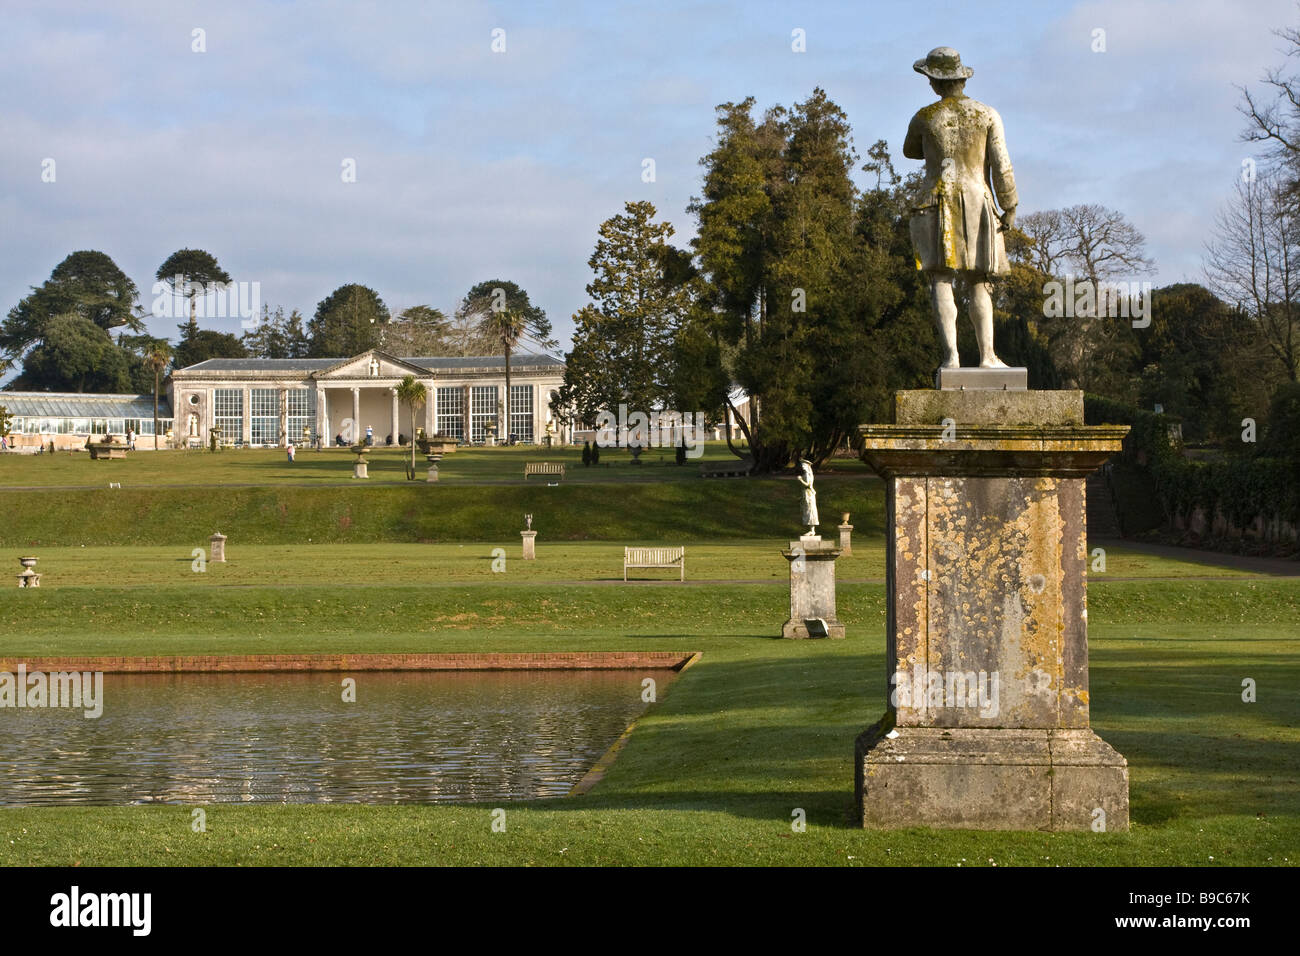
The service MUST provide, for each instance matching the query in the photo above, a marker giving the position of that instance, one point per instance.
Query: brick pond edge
(254, 663)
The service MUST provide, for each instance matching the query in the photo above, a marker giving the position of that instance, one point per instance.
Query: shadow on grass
(759, 737)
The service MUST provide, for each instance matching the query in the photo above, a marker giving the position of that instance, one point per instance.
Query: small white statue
(809, 496)
(528, 519)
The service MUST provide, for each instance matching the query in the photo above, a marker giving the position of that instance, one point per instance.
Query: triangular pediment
(360, 366)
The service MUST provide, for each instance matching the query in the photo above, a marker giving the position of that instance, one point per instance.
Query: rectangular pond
(409, 737)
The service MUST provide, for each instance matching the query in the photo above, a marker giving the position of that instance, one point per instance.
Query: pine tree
(296, 343)
(506, 319)
(348, 321)
(781, 257)
(623, 345)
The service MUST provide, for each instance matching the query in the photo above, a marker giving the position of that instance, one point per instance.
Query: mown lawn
(713, 772)
(333, 466)
(498, 563)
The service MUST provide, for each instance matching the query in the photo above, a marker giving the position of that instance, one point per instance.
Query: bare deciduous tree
(1089, 242)
(1274, 119)
(1102, 244)
(1254, 261)
(1048, 241)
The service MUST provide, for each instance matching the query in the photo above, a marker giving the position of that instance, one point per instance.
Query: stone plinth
(1004, 779)
(359, 469)
(105, 450)
(530, 545)
(846, 538)
(981, 379)
(217, 547)
(987, 724)
(812, 589)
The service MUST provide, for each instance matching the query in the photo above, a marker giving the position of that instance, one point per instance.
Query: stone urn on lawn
(437, 445)
(359, 467)
(28, 578)
(108, 448)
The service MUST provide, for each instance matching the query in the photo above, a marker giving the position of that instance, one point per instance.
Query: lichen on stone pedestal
(987, 622)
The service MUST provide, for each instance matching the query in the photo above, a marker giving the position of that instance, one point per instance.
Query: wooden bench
(737, 468)
(543, 468)
(654, 558)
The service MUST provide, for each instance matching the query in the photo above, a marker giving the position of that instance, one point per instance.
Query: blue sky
(474, 165)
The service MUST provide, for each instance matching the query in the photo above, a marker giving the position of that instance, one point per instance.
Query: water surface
(410, 737)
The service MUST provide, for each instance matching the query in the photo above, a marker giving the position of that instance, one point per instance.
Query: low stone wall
(248, 663)
(63, 443)
(1265, 530)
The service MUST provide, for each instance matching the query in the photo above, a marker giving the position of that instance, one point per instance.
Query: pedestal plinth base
(957, 778)
(812, 589)
(983, 379)
(799, 630)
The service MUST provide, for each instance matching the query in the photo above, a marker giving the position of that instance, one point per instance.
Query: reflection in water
(411, 737)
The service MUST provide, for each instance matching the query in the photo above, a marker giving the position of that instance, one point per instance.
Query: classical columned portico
(285, 437)
(273, 401)
(346, 409)
(322, 418)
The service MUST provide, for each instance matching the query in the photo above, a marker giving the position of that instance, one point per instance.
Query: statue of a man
(809, 496)
(956, 230)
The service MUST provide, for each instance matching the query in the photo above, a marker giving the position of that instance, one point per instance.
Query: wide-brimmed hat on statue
(943, 63)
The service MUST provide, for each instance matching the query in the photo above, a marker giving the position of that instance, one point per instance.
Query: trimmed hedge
(1239, 488)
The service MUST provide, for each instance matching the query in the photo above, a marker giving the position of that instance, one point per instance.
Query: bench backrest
(543, 468)
(653, 556)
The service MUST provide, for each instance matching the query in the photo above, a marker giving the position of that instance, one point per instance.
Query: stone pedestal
(987, 722)
(359, 469)
(530, 545)
(812, 589)
(846, 538)
(217, 547)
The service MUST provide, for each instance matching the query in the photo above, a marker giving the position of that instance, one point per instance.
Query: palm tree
(156, 358)
(505, 317)
(505, 328)
(413, 394)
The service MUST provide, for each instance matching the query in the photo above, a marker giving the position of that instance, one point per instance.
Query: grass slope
(694, 510)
